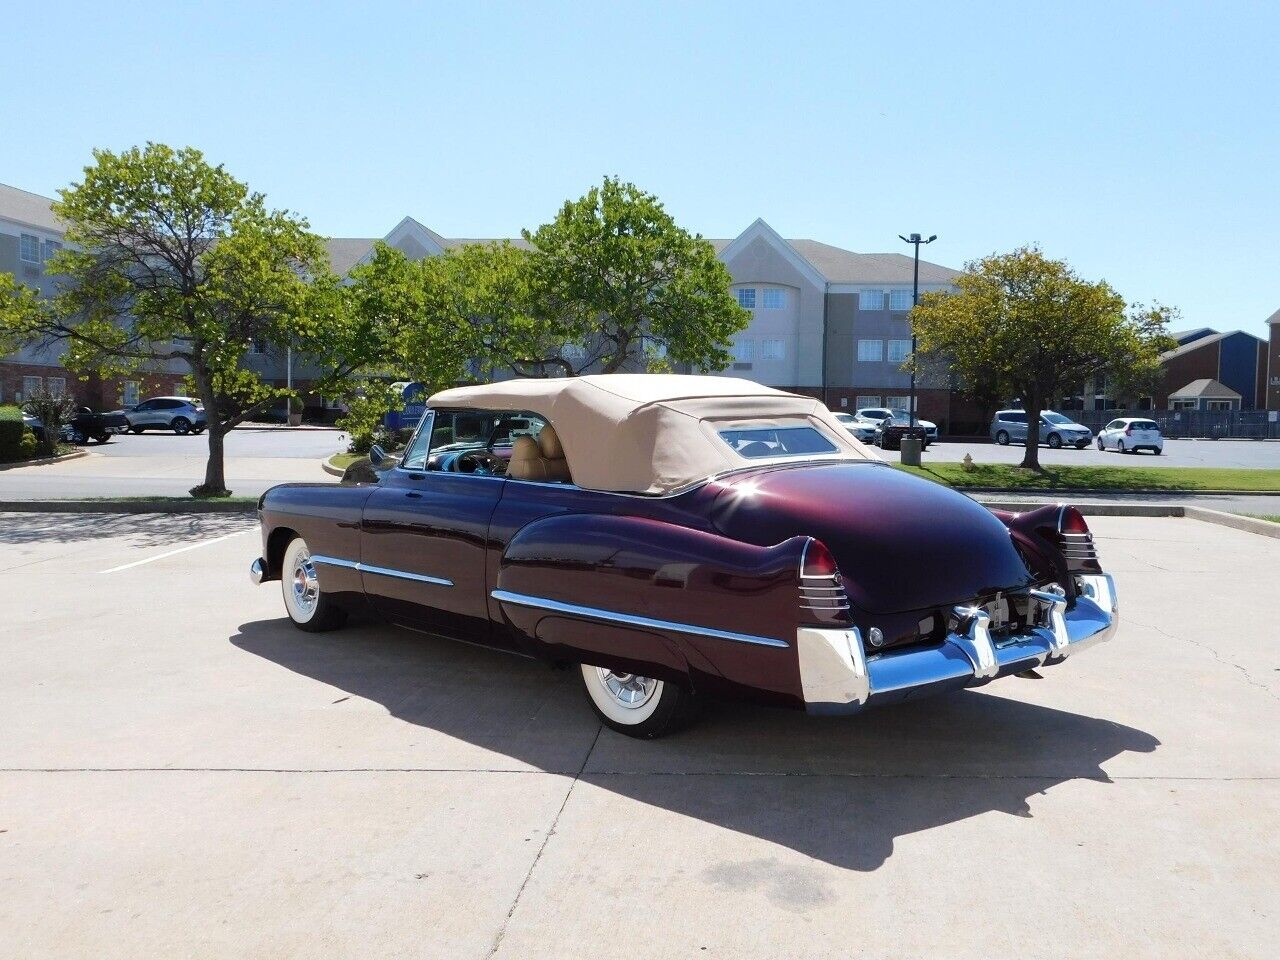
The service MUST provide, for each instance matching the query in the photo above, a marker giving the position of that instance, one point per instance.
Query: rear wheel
(1120, 446)
(1157, 451)
(103, 437)
(305, 601)
(1101, 446)
(137, 429)
(1002, 438)
(181, 425)
(640, 707)
(1055, 441)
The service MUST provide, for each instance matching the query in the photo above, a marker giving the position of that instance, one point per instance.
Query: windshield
(1050, 417)
(759, 442)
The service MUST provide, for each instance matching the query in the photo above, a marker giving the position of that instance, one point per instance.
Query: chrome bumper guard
(838, 676)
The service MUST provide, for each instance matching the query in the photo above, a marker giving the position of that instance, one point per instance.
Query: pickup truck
(86, 425)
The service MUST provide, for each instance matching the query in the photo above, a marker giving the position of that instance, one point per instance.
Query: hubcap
(627, 689)
(306, 586)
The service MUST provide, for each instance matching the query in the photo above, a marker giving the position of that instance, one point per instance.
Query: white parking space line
(170, 553)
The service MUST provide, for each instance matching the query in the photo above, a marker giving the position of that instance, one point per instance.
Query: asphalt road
(192, 776)
(1177, 453)
(246, 442)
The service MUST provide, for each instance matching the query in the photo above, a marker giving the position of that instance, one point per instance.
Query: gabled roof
(1274, 318)
(844, 266)
(1205, 389)
(1186, 348)
(1186, 336)
(28, 208)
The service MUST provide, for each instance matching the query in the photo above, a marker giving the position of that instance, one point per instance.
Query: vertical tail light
(1072, 536)
(1128, 430)
(822, 596)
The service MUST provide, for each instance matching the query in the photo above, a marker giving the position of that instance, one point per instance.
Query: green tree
(172, 263)
(1034, 329)
(613, 273)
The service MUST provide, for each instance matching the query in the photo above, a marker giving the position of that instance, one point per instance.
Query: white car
(1131, 434)
(864, 430)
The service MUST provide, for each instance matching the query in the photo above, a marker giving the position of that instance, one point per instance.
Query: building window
(871, 300)
(865, 400)
(744, 351)
(898, 403)
(899, 299)
(747, 297)
(51, 247)
(57, 386)
(899, 350)
(870, 350)
(1218, 405)
(775, 298)
(1182, 405)
(29, 248)
(573, 351)
(129, 395)
(773, 349)
(258, 346)
(30, 387)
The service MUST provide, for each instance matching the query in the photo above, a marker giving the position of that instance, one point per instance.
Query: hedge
(12, 429)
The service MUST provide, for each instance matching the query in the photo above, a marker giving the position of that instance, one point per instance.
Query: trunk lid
(901, 542)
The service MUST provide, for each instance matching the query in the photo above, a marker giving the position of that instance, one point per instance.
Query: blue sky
(1139, 141)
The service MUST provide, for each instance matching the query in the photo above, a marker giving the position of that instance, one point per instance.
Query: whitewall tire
(304, 598)
(637, 706)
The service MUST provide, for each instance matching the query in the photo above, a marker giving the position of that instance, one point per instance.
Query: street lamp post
(915, 240)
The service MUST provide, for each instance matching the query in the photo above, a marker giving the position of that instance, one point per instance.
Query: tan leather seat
(556, 466)
(526, 460)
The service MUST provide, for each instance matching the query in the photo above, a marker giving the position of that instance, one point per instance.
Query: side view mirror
(380, 459)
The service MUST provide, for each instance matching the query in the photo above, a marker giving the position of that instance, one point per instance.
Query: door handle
(414, 496)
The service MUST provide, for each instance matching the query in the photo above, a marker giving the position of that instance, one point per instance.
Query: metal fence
(1211, 424)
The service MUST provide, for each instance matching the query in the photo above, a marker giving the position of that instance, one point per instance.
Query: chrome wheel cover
(627, 690)
(306, 585)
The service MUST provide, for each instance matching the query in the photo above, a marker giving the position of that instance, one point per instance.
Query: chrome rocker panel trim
(258, 570)
(631, 620)
(838, 677)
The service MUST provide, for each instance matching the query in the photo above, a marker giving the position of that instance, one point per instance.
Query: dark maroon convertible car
(686, 536)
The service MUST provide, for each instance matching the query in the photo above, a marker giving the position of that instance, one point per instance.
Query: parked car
(881, 414)
(86, 424)
(890, 433)
(1131, 434)
(1010, 426)
(863, 430)
(680, 537)
(179, 414)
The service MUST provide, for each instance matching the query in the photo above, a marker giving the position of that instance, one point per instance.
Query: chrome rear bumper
(257, 570)
(838, 676)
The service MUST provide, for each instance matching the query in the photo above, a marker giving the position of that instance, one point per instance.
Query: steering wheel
(478, 461)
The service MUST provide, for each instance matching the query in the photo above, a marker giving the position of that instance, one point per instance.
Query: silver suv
(179, 414)
(1010, 426)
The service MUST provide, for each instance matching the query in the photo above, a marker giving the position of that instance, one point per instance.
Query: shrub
(12, 435)
(52, 410)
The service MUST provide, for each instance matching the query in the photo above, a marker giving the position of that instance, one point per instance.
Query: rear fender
(1042, 554)
(654, 598)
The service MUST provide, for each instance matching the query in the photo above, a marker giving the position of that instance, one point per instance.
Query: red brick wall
(1197, 364)
(91, 391)
(1273, 370)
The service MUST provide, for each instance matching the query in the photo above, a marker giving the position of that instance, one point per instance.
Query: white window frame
(1219, 405)
(744, 350)
(903, 348)
(27, 242)
(50, 247)
(870, 299)
(258, 346)
(899, 299)
(127, 388)
(898, 403)
(1183, 404)
(775, 298)
(866, 400)
(573, 351)
(31, 385)
(57, 386)
(773, 348)
(746, 297)
(870, 351)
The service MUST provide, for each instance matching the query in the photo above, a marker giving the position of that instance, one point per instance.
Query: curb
(76, 455)
(1263, 528)
(128, 506)
(1109, 491)
(331, 470)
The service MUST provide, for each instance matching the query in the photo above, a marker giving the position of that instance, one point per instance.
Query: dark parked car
(86, 425)
(890, 431)
(676, 537)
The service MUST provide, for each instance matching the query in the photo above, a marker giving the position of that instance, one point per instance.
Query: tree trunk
(1031, 457)
(215, 478)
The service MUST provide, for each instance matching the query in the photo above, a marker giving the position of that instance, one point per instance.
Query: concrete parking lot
(1177, 453)
(183, 773)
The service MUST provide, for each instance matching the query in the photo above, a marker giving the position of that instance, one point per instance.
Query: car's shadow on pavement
(840, 790)
(142, 529)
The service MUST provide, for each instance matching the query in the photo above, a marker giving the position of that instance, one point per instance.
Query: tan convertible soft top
(653, 433)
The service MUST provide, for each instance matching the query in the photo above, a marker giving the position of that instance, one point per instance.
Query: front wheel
(137, 429)
(1002, 438)
(305, 601)
(640, 707)
(103, 438)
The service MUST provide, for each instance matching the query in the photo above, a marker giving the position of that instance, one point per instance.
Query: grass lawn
(1010, 477)
(1273, 517)
(344, 460)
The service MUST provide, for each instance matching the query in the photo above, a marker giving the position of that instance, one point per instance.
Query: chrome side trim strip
(380, 571)
(595, 613)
